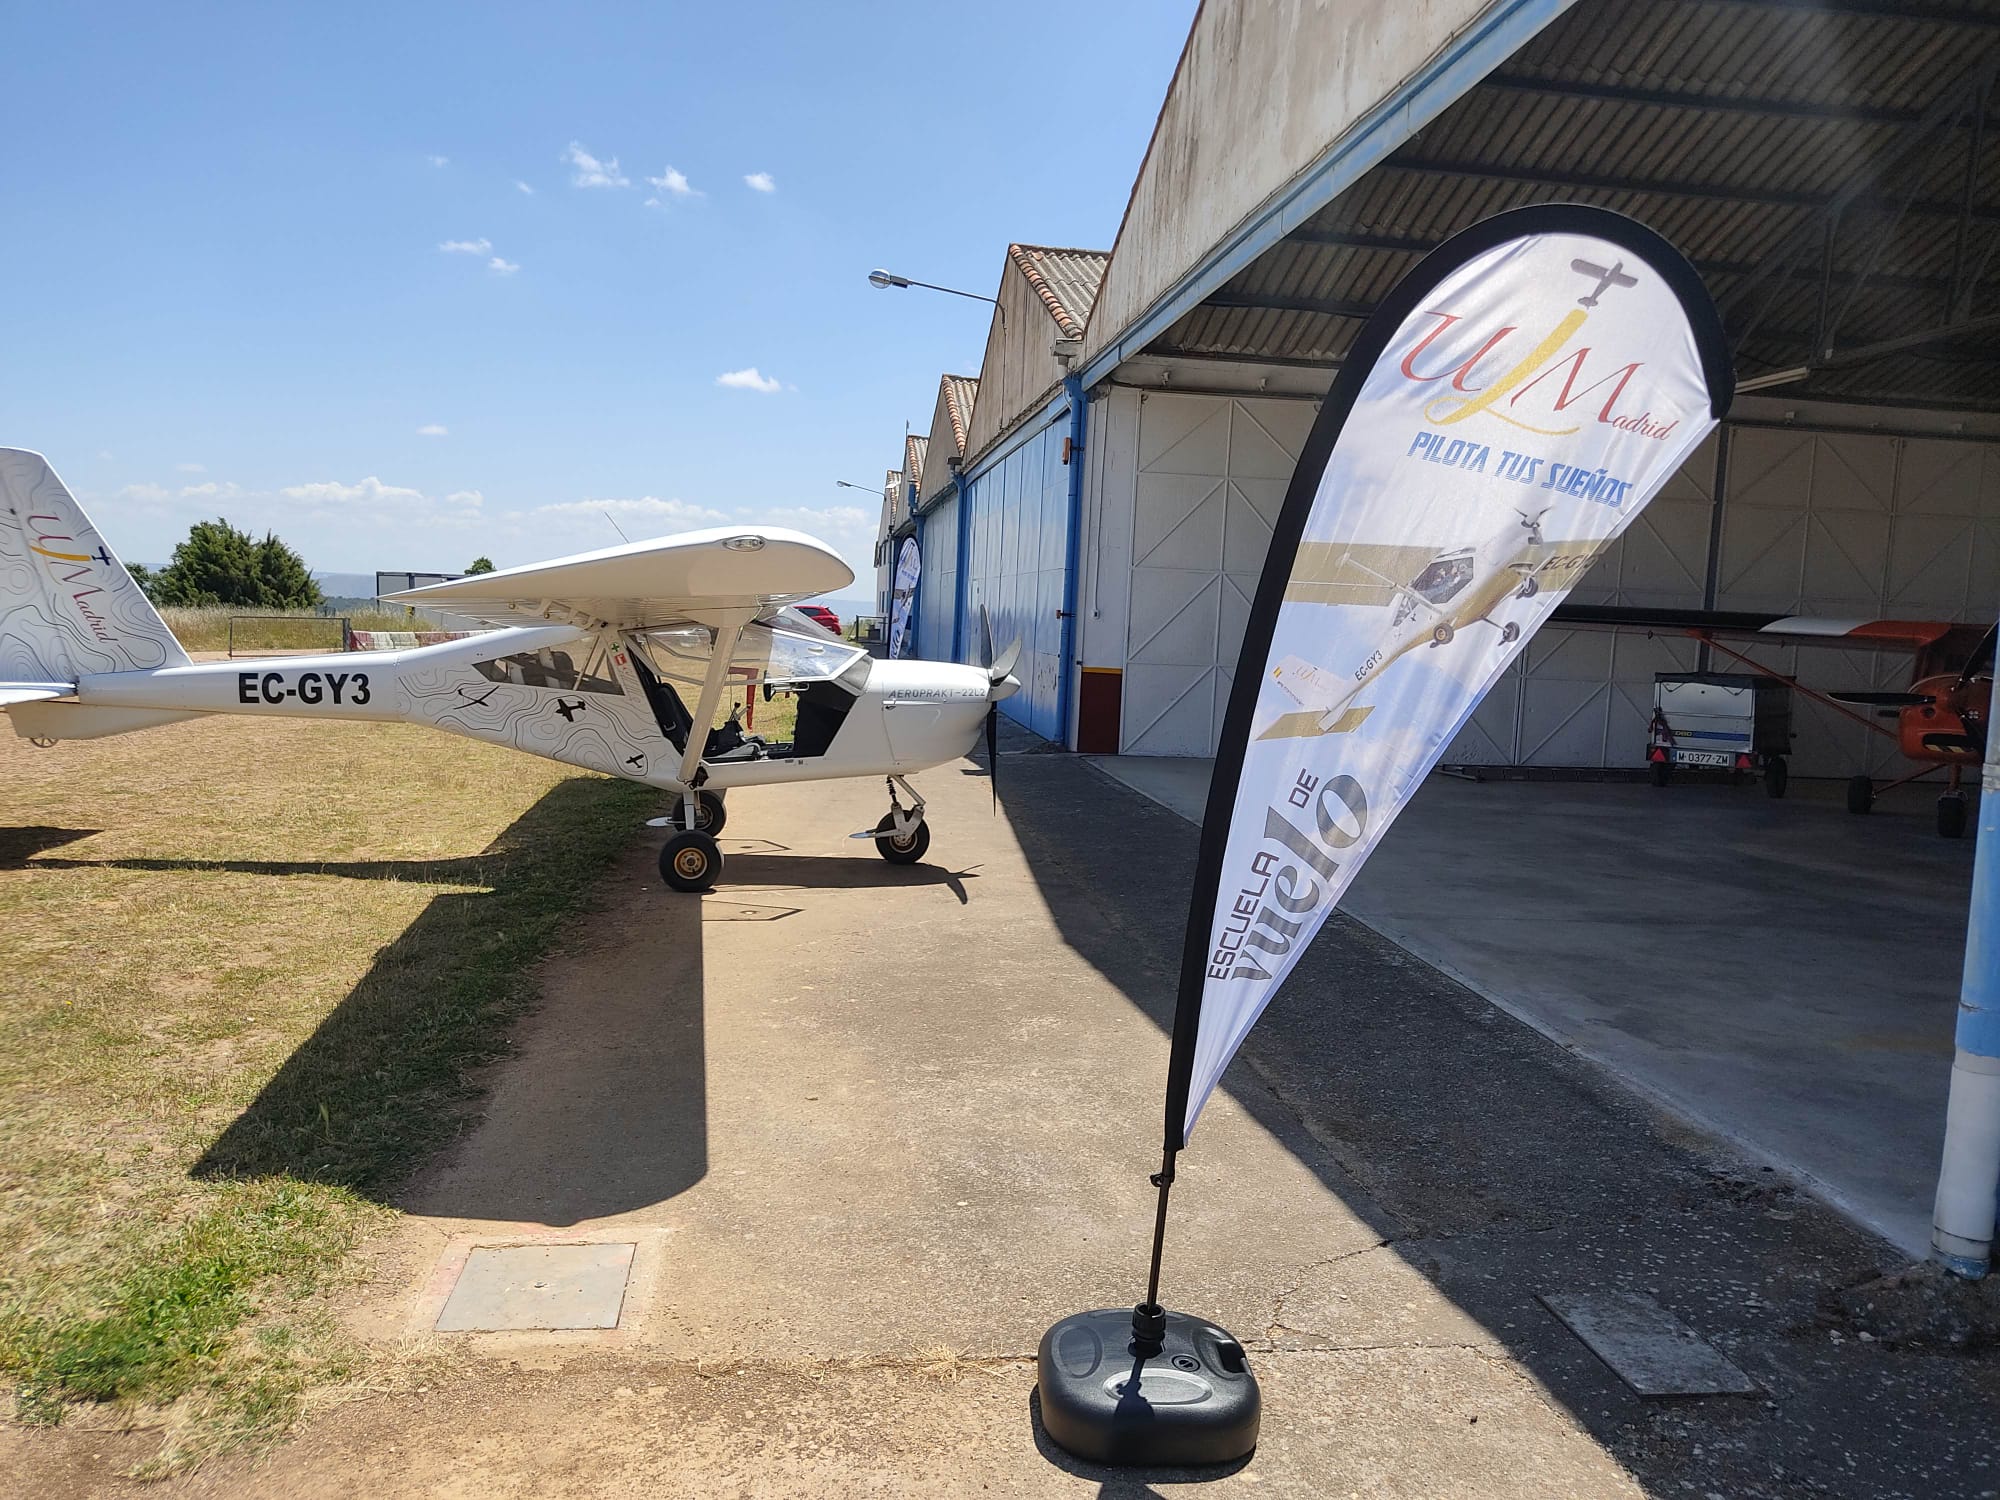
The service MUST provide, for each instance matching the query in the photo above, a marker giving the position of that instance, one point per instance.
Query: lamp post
(866, 489)
(883, 280)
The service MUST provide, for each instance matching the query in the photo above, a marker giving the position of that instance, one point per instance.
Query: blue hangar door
(1020, 530)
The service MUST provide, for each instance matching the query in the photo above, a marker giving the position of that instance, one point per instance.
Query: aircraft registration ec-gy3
(586, 665)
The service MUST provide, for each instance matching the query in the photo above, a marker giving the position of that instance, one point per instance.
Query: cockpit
(1440, 582)
(783, 651)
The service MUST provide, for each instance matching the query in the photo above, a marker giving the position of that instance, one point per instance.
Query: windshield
(773, 650)
(1444, 578)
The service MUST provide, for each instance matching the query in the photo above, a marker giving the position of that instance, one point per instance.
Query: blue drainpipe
(1969, 1176)
(1072, 560)
(962, 584)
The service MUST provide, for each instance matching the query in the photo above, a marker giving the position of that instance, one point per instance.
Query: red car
(819, 614)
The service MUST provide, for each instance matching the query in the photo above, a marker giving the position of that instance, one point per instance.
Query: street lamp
(886, 279)
(866, 489)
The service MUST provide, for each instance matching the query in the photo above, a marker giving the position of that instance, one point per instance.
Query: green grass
(254, 970)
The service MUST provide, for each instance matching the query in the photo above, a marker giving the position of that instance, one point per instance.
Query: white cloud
(673, 183)
(191, 468)
(465, 499)
(438, 161)
(590, 172)
(524, 187)
(749, 380)
(144, 492)
(501, 267)
(370, 491)
(433, 429)
(209, 490)
(761, 181)
(466, 247)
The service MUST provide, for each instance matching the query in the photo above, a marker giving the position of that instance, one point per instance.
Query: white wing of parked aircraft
(697, 575)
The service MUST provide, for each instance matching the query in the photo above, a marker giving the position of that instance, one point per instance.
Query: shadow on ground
(396, 1071)
(1501, 1168)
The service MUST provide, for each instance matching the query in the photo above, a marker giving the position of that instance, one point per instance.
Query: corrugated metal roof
(1065, 280)
(1733, 127)
(959, 392)
(914, 446)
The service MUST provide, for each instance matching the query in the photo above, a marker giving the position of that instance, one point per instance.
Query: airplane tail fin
(67, 605)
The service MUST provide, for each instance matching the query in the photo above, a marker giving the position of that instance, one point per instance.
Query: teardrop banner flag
(1501, 419)
(909, 565)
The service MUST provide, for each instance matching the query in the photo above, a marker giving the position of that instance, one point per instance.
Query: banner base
(1107, 1398)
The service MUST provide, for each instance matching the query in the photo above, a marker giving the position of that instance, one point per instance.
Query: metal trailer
(1737, 722)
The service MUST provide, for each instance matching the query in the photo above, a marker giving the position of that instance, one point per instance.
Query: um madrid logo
(1542, 382)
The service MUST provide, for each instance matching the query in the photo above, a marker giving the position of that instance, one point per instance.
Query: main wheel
(1663, 772)
(1951, 815)
(1860, 793)
(709, 813)
(1528, 589)
(906, 850)
(690, 861)
(1443, 634)
(1510, 633)
(1776, 775)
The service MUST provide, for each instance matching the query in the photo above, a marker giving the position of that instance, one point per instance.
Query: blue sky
(225, 289)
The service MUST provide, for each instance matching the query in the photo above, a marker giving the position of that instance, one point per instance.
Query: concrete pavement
(873, 1129)
(1779, 972)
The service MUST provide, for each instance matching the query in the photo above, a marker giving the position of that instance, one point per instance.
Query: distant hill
(346, 585)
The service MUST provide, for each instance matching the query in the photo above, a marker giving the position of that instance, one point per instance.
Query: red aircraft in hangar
(1940, 719)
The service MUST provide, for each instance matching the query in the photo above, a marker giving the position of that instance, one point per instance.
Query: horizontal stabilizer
(33, 692)
(87, 721)
(1306, 725)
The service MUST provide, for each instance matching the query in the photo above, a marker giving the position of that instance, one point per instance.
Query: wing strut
(711, 693)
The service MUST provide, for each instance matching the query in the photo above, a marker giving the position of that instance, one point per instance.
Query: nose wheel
(902, 836)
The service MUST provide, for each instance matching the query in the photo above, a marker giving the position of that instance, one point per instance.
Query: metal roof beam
(1398, 244)
(1277, 302)
(1900, 10)
(1777, 109)
(1610, 183)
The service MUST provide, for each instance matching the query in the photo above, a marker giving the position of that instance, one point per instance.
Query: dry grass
(206, 628)
(249, 965)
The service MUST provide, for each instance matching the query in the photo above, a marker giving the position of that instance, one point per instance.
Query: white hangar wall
(1181, 489)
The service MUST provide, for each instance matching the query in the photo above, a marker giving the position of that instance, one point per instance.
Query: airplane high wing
(696, 575)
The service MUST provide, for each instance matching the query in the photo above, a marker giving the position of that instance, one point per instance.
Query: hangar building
(1104, 489)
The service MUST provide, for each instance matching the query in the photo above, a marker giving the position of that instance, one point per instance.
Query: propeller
(998, 672)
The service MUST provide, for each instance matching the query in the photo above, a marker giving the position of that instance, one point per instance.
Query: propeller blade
(1884, 700)
(999, 669)
(993, 754)
(986, 631)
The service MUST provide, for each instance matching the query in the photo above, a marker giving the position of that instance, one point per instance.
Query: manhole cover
(538, 1287)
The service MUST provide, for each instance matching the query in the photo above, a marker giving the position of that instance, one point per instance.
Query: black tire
(1442, 635)
(709, 813)
(906, 850)
(1510, 633)
(1860, 793)
(1663, 772)
(1776, 776)
(690, 862)
(1529, 589)
(1951, 816)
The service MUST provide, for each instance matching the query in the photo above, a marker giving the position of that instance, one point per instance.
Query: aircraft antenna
(615, 526)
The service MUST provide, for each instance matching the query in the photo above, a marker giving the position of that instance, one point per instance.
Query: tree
(218, 564)
(480, 565)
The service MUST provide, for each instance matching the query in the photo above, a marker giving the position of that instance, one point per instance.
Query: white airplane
(592, 664)
(1435, 594)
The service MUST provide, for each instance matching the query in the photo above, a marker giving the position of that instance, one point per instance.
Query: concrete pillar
(1969, 1178)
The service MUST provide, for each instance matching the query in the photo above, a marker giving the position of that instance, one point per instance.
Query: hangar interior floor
(1780, 972)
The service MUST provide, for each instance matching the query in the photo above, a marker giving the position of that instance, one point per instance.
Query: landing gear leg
(1951, 809)
(902, 836)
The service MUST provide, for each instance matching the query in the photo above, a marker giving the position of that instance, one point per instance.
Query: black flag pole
(1153, 1414)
